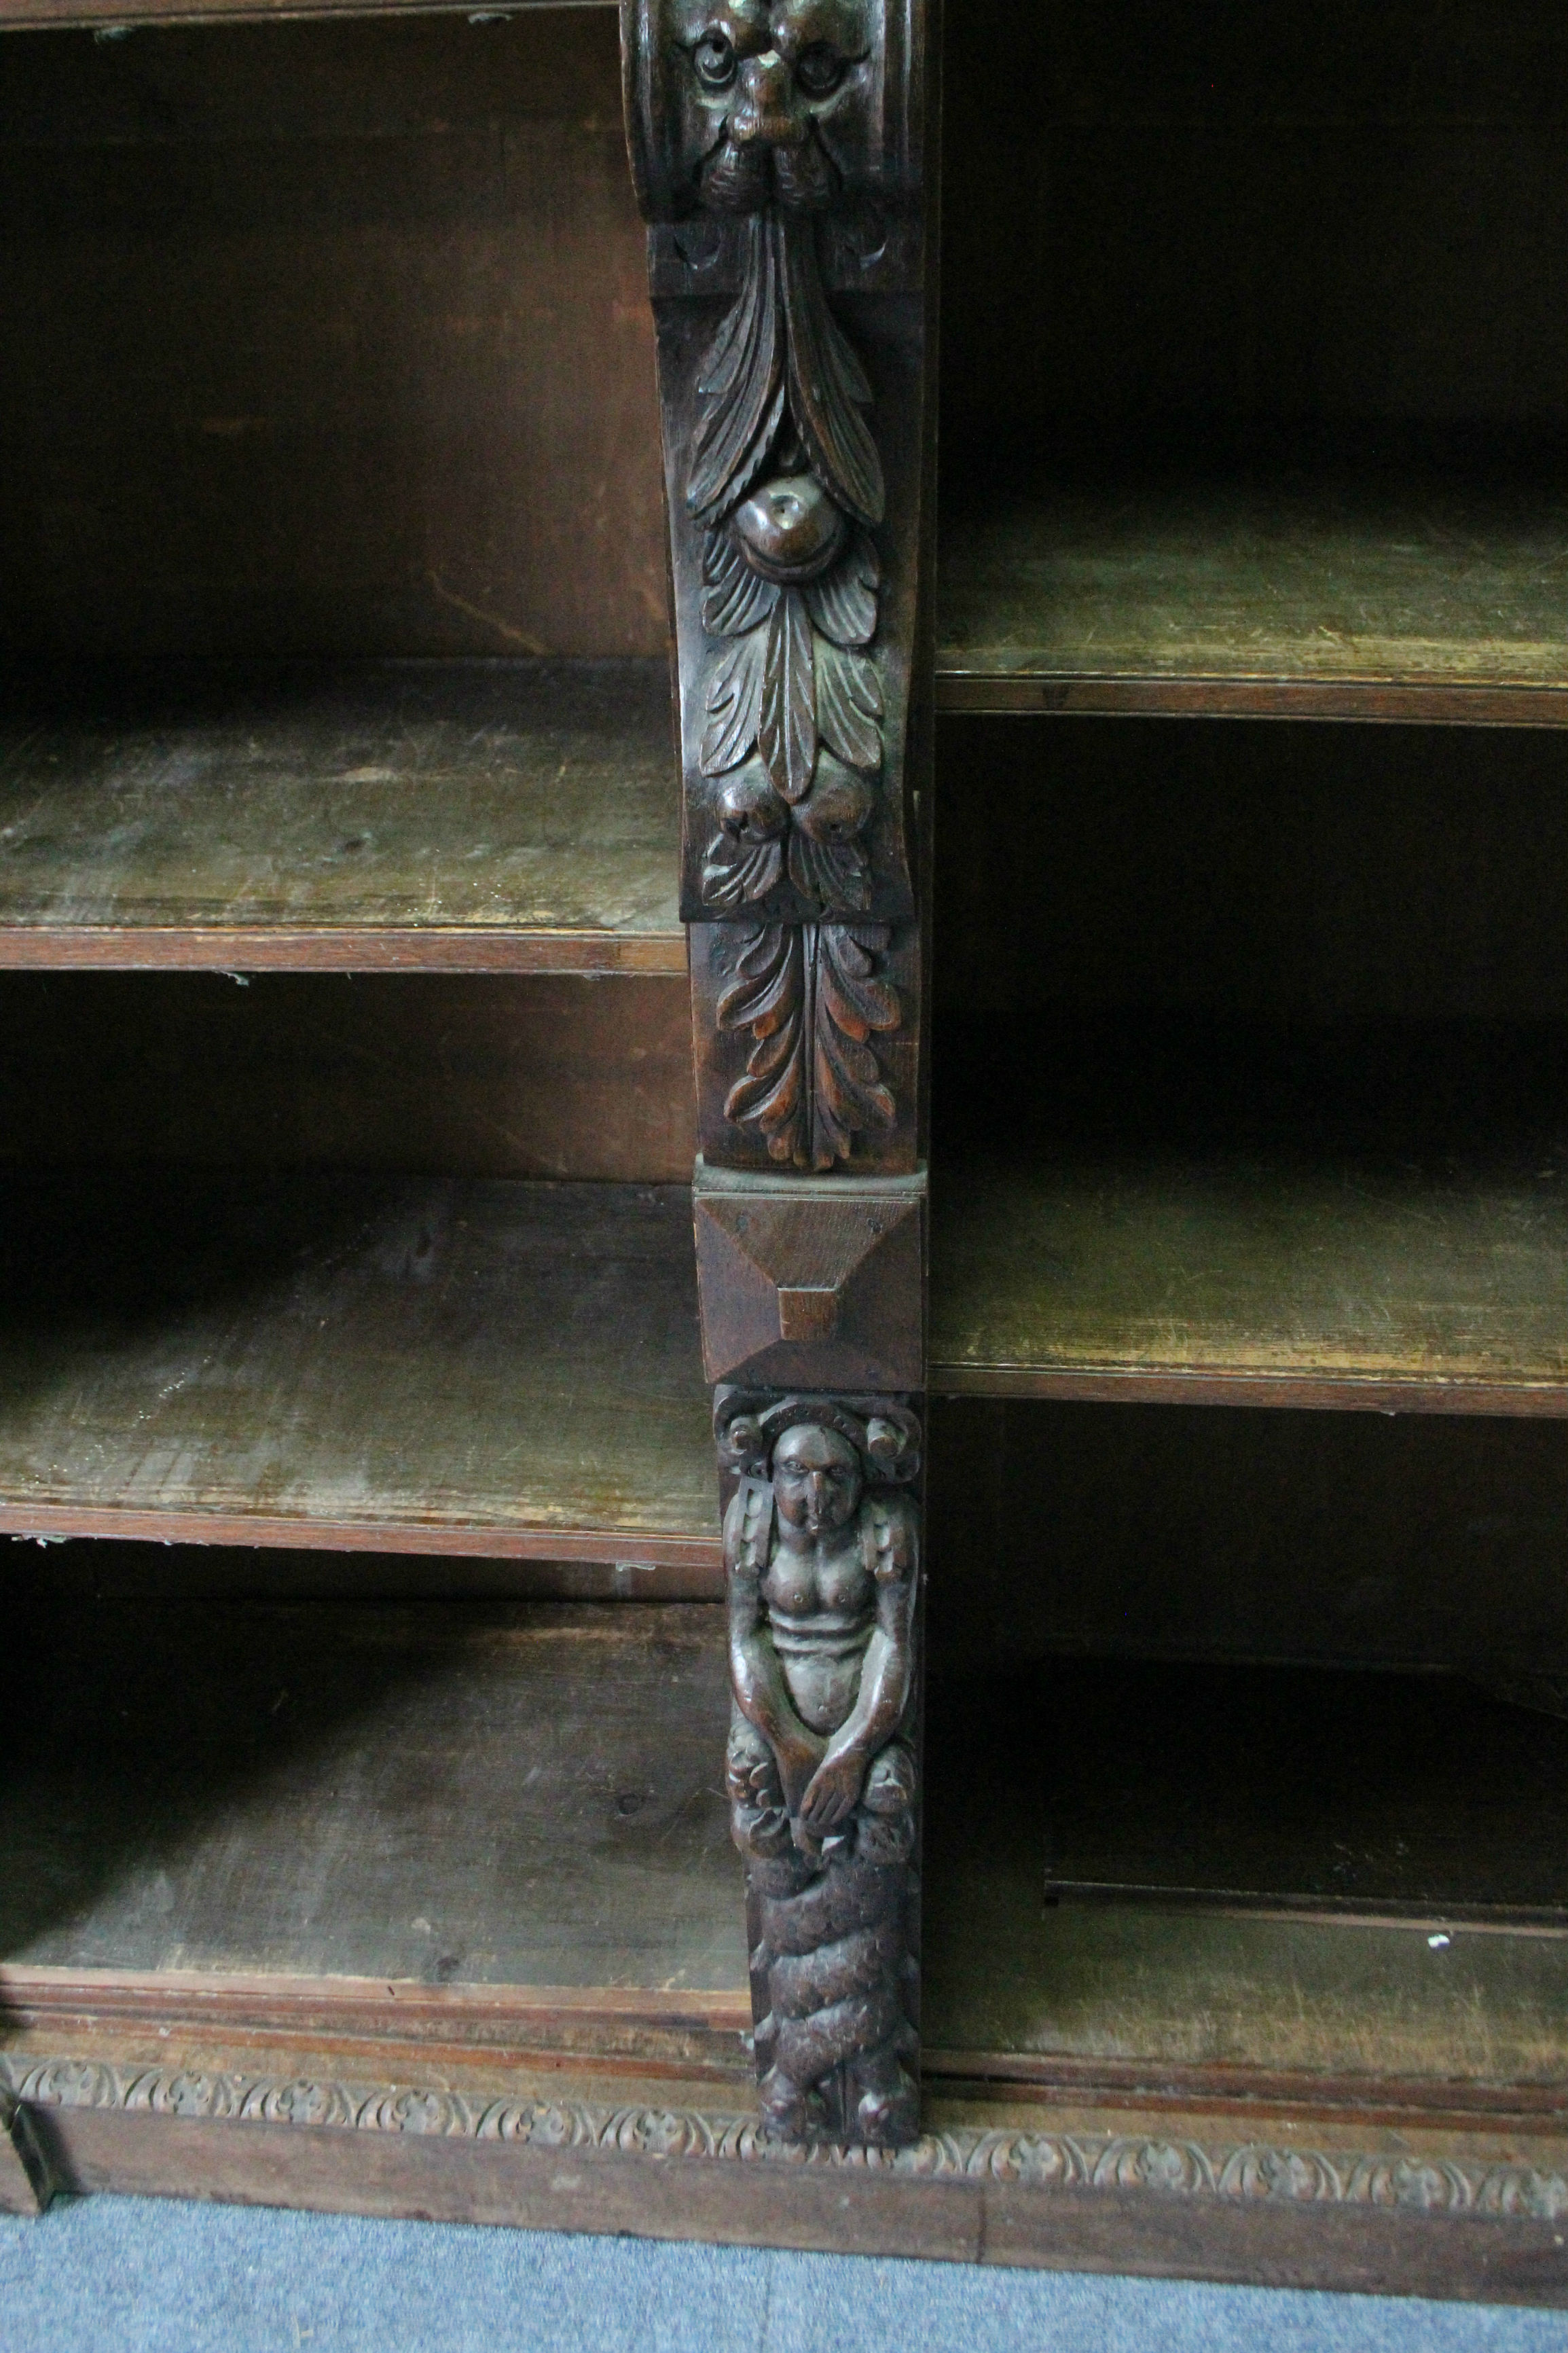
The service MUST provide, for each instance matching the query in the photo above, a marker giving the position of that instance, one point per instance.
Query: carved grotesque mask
(816, 1479)
(773, 99)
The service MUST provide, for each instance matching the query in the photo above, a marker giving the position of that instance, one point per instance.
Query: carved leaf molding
(1247, 2172)
(810, 997)
(790, 689)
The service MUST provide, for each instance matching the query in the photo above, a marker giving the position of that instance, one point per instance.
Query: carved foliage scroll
(772, 144)
(822, 1557)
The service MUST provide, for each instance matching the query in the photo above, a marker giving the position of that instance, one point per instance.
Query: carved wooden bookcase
(780, 154)
(589, 1651)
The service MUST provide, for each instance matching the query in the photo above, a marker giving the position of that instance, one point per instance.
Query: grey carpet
(151, 2275)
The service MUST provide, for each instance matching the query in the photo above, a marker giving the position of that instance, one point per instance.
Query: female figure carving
(824, 1585)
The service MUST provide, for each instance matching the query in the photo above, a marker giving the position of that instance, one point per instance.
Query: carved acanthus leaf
(735, 705)
(737, 873)
(786, 727)
(734, 597)
(811, 997)
(741, 386)
(849, 707)
(843, 602)
(827, 384)
(831, 873)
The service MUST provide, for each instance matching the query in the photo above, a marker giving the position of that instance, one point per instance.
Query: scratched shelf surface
(1354, 595)
(1253, 1278)
(489, 1368)
(517, 816)
(37, 13)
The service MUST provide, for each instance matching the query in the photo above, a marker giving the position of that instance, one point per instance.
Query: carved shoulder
(748, 1530)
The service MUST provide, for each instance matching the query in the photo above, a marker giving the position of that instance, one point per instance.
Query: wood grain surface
(1163, 1531)
(391, 1364)
(1337, 597)
(1253, 1280)
(512, 814)
(479, 1074)
(1179, 226)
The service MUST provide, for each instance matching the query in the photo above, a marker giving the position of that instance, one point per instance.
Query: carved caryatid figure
(822, 1555)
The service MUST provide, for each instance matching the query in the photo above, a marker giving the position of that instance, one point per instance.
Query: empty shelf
(385, 1365)
(1253, 1280)
(1340, 595)
(406, 816)
(473, 1849)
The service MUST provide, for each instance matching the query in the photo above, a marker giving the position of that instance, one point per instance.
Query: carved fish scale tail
(842, 2005)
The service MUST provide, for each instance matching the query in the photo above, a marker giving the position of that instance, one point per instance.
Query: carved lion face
(773, 98)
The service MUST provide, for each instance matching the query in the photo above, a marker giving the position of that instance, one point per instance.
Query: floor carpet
(152, 2276)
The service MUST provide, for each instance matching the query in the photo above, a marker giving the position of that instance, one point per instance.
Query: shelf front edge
(1328, 1392)
(1368, 701)
(134, 948)
(46, 1522)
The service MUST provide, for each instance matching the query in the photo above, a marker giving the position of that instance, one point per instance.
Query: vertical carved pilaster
(778, 150)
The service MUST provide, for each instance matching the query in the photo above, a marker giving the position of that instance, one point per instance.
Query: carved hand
(833, 1793)
(798, 1760)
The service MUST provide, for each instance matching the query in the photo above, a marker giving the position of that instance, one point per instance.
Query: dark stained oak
(1334, 596)
(359, 1362)
(512, 816)
(1253, 1280)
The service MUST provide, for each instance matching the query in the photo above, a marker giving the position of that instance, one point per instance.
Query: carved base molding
(1242, 2171)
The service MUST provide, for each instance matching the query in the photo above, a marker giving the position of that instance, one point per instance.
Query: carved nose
(763, 111)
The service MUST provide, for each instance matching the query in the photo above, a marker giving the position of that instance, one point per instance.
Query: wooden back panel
(476, 1075)
(326, 337)
(1168, 218)
(1251, 869)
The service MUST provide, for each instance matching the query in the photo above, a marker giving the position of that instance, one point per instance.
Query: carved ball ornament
(790, 530)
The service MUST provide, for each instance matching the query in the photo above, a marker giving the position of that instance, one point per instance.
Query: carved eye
(714, 58)
(819, 70)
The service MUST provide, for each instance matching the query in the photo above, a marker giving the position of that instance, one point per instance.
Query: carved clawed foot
(786, 2109)
(887, 2114)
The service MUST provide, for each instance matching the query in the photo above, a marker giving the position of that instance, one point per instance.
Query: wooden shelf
(1340, 595)
(506, 1369)
(1255, 1278)
(512, 816)
(35, 14)
(1183, 1898)
(487, 1845)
